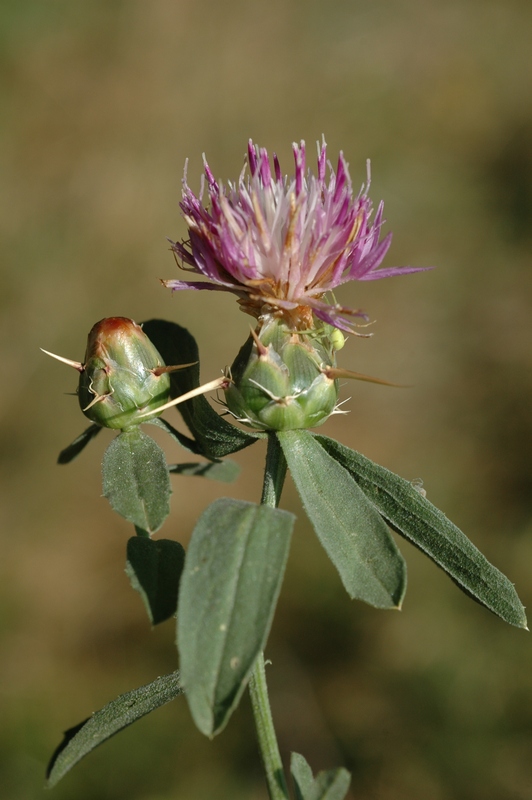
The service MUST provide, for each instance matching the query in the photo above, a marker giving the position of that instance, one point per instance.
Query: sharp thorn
(219, 383)
(158, 371)
(76, 364)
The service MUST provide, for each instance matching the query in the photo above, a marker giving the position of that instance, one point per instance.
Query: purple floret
(281, 244)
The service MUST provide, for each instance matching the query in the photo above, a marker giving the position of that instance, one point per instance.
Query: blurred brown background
(101, 104)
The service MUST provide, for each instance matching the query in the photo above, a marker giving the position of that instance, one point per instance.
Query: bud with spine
(281, 378)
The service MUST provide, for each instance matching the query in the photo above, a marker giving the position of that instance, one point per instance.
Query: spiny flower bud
(124, 381)
(123, 376)
(281, 379)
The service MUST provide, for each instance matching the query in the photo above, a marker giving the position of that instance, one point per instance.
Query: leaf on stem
(80, 442)
(154, 568)
(112, 718)
(348, 525)
(215, 437)
(414, 517)
(233, 573)
(185, 441)
(225, 471)
(136, 480)
(331, 784)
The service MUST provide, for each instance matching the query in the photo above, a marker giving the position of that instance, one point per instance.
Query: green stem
(274, 475)
(269, 749)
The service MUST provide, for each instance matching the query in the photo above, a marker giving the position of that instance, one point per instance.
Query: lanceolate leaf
(80, 442)
(348, 525)
(112, 718)
(233, 573)
(215, 437)
(412, 515)
(302, 775)
(136, 480)
(154, 567)
(331, 784)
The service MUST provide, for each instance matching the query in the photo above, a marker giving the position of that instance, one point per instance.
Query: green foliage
(216, 470)
(112, 718)
(214, 437)
(136, 480)
(80, 442)
(408, 512)
(225, 471)
(154, 568)
(185, 441)
(233, 573)
(348, 525)
(331, 784)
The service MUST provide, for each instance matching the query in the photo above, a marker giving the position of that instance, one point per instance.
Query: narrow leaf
(136, 480)
(302, 775)
(348, 525)
(414, 517)
(233, 573)
(332, 784)
(69, 453)
(154, 567)
(111, 719)
(225, 471)
(215, 437)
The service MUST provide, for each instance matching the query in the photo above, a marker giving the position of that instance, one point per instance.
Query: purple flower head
(282, 244)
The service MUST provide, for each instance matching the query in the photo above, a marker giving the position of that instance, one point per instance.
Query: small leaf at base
(331, 784)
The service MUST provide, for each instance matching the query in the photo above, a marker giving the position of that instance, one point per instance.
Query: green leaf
(136, 480)
(225, 471)
(112, 718)
(154, 567)
(348, 525)
(332, 784)
(69, 453)
(302, 775)
(233, 573)
(214, 436)
(185, 441)
(414, 517)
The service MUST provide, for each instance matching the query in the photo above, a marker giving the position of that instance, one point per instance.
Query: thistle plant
(282, 246)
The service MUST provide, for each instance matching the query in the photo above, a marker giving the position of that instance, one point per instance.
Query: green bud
(123, 376)
(280, 378)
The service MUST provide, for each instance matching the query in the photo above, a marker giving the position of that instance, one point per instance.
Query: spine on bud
(279, 379)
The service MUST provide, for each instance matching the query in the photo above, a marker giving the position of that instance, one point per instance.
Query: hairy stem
(274, 475)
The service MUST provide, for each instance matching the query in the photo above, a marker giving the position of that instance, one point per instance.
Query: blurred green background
(101, 103)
